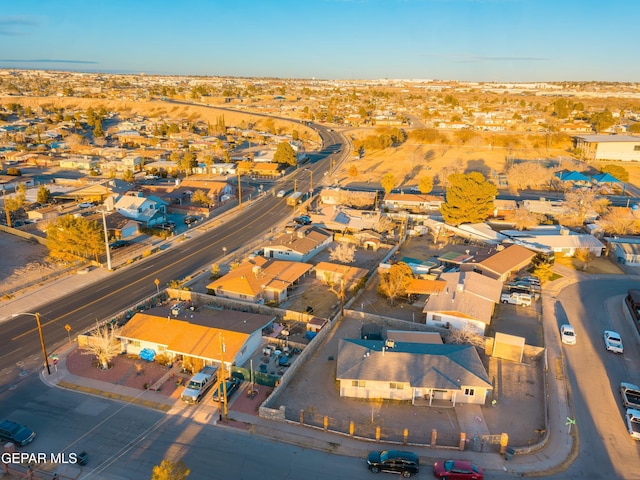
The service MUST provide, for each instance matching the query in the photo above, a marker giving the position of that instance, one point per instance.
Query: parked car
(457, 469)
(189, 219)
(16, 433)
(303, 220)
(525, 285)
(232, 386)
(394, 461)
(613, 342)
(568, 334)
(119, 244)
(517, 299)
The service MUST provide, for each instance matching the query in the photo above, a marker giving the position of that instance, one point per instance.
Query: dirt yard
(22, 262)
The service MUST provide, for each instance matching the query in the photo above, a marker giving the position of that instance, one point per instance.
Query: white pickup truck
(516, 298)
(632, 417)
(630, 395)
(199, 384)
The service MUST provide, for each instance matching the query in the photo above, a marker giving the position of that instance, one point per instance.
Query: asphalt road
(127, 286)
(125, 441)
(606, 449)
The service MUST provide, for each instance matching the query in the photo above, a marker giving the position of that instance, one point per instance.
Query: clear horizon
(456, 40)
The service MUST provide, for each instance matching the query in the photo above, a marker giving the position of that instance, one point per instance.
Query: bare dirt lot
(22, 261)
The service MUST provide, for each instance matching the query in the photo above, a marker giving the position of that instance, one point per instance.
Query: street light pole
(106, 240)
(44, 349)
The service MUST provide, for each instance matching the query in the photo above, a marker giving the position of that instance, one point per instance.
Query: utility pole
(239, 191)
(223, 384)
(106, 240)
(6, 209)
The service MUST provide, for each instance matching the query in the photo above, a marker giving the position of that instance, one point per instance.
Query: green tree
(285, 154)
(97, 131)
(395, 280)
(128, 176)
(616, 171)
(634, 128)
(200, 197)
(44, 195)
(425, 185)
(469, 198)
(70, 239)
(544, 272)
(168, 470)
(388, 182)
(188, 162)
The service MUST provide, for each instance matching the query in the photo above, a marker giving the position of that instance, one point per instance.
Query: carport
(508, 347)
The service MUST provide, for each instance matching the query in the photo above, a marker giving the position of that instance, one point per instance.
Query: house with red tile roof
(260, 279)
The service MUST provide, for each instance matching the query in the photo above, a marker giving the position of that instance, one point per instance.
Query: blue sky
(466, 40)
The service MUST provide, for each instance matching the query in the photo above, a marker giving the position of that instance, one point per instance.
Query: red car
(457, 469)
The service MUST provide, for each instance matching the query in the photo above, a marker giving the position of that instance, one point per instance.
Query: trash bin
(509, 453)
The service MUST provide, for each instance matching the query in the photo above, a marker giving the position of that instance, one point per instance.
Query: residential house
(413, 202)
(626, 250)
(182, 334)
(420, 373)
(260, 279)
(556, 239)
(468, 301)
(84, 163)
(149, 211)
(502, 264)
(608, 147)
(299, 245)
(335, 273)
(119, 226)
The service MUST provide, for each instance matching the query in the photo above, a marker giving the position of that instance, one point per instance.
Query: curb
(114, 396)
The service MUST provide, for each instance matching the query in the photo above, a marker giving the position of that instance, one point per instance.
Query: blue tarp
(147, 354)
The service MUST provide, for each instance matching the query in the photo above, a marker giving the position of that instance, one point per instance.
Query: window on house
(396, 386)
(134, 343)
(358, 383)
(636, 148)
(469, 392)
(436, 318)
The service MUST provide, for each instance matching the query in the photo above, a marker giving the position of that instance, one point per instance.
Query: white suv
(517, 299)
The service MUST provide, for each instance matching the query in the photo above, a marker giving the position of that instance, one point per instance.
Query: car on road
(457, 469)
(613, 341)
(568, 334)
(232, 386)
(16, 433)
(517, 299)
(85, 205)
(281, 193)
(394, 461)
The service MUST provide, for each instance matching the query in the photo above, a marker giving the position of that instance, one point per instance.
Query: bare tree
(620, 221)
(586, 256)
(466, 336)
(343, 253)
(528, 175)
(523, 219)
(104, 344)
(394, 281)
(580, 203)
